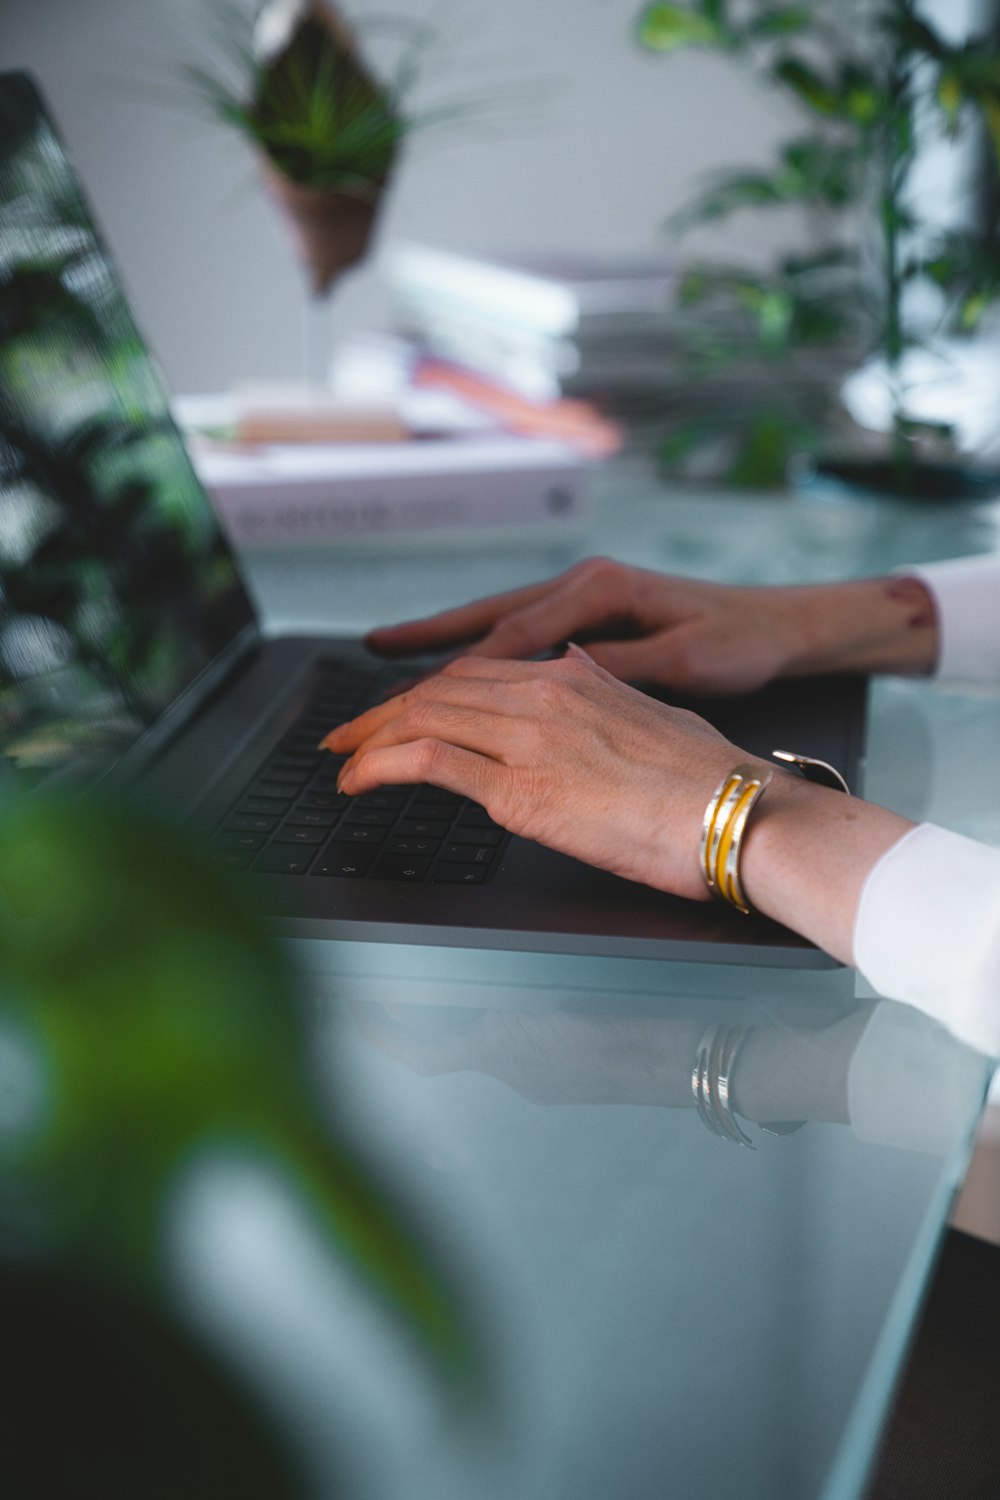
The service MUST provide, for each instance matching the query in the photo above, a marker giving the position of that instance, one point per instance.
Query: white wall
(611, 141)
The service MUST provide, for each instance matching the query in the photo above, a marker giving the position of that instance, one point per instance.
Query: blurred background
(592, 144)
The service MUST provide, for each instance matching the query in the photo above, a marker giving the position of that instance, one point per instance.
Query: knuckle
(603, 571)
(459, 666)
(551, 693)
(511, 635)
(428, 755)
(415, 716)
(574, 671)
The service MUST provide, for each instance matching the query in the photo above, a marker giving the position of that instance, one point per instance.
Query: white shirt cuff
(966, 592)
(927, 931)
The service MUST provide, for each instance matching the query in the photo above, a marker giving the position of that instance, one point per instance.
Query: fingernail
(346, 775)
(572, 649)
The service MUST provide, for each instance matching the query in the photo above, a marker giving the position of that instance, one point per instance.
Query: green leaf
(667, 28)
(774, 320)
(682, 443)
(694, 286)
(972, 310)
(831, 258)
(864, 104)
(950, 94)
(768, 445)
(810, 171)
(990, 107)
(917, 36)
(728, 195)
(163, 1011)
(807, 84)
(785, 21)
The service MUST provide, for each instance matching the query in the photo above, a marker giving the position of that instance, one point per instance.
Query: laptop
(130, 650)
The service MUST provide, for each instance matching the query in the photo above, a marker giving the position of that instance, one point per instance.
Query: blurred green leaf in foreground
(148, 1019)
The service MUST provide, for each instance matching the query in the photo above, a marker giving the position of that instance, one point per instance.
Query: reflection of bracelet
(714, 1060)
(711, 1085)
(722, 831)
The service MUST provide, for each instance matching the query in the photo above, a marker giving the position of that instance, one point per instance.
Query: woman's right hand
(687, 634)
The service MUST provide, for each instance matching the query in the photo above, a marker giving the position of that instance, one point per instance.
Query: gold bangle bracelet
(722, 830)
(728, 813)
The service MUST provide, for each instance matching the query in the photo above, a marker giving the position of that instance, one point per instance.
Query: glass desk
(665, 1312)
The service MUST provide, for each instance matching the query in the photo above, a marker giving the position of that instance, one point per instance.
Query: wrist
(866, 625)
(807, 855)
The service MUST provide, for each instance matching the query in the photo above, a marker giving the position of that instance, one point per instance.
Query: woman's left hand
(557, 751)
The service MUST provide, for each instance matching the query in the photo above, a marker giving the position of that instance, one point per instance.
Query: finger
(467, 622)
(663, 658)
(426, 761)
(459, 685)
(471, 729)
(464, 664)
(570, 610)
(495, 669)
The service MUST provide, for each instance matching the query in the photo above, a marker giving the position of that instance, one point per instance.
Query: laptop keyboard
(290, 819)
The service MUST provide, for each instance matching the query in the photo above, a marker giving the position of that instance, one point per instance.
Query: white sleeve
(967, 594)
(927, 931)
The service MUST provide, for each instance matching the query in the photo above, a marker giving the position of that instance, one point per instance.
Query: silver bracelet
(714, 1060)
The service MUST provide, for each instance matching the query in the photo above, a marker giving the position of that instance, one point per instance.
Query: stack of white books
(455, 480)
(544, 326)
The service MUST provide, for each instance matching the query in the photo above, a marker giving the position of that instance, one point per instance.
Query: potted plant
(874, 87)
(326, 132)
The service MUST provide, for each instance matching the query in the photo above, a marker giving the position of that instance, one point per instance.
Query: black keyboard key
(422, 828)
(400, 867)
(288, 835)
(459, 875)
(250, 823)
(294, 763)
(476, 817)
(467, 854)
(234, 838)
(491, 836)
(326, 776)
(350, 864)
(371, 817)
(273, 805)
(345, 835)
(231, 859)
(429, 813)
(321, 801)
(437, 795)
(312, 817)
(335, 714)
(279, 791)
(302, 744)
(392, 801)
(423, 847)
(283, 859)
(285, 778)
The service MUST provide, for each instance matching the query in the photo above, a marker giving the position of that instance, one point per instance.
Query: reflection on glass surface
(116, 588)
(881, 1068)
(667, 1313)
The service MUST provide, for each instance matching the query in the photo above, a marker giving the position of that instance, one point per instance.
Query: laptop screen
(117, 589)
